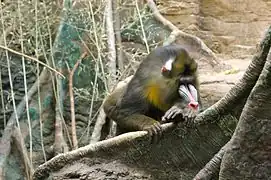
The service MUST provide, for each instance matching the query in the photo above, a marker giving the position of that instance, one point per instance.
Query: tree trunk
(248, 156)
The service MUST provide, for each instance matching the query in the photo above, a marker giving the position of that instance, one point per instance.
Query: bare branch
(117, 28)
(112, 69)
(96, 134)
(91, 150)
(111, 45)
(60, 144)
(73, 124)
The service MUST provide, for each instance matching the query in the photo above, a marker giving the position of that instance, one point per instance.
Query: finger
(179, 111)
(174, 115)
(191, 120)
(150, 134)
(190, 115)
(185, 123)
(154, 136)
(164, 119)
(159, 130)
(170, 113)
(167, 115)
(186, 120)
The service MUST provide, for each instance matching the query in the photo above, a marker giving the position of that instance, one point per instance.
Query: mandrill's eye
(179, 66)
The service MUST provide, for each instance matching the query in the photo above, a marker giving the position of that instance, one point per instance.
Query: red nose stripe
(164, 69)
(193, 105)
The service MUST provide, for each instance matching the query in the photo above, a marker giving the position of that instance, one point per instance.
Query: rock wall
(231, 28)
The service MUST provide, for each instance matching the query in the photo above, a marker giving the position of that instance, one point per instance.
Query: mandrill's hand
(154, 130)
(176, 114)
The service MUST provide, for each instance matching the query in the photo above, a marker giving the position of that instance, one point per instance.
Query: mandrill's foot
(154, 131)
(177, 114)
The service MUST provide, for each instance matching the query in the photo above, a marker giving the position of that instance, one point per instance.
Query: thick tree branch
(248, 156)
(161, 18)
(91, 150)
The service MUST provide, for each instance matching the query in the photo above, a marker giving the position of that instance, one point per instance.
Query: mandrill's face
(184, 68)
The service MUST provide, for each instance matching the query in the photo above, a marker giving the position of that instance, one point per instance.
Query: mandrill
(164, 86)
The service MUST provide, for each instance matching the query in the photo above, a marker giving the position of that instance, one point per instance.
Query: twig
(112, 56)
(5, 143)
(111, 45)
(60, 144)
(2, 100)
(142, 28)
(74, 137)
(117, 28)
(99, 50)
(31, 58)
(25, 89)
(94, 91)
(38, 79)
(96, 134)
(91, 150)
